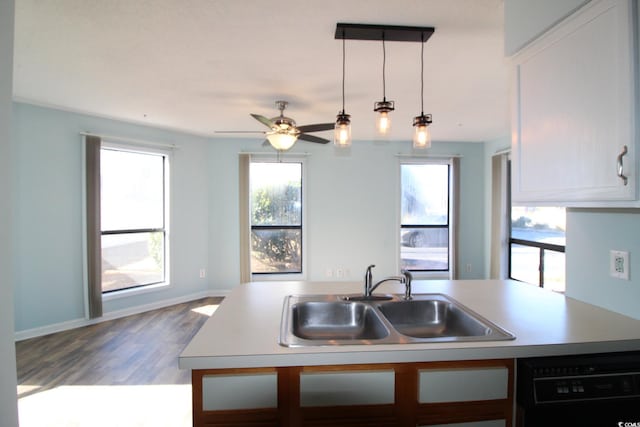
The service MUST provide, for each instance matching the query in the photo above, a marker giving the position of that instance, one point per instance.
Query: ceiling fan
(283, 132)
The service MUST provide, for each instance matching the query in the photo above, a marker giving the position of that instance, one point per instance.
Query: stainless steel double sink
(322, 320)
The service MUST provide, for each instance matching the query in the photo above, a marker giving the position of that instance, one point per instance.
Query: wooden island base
(395, 394)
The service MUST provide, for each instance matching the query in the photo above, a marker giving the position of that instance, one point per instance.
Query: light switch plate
(619, 264)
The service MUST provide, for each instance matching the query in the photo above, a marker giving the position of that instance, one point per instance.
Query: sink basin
(336, 320)
(320, 320)
(432, 318)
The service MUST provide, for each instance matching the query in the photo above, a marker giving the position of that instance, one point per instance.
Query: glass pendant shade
(422, 133)
(342, 136)
(383, 124)
(383, 121)
(281, 141)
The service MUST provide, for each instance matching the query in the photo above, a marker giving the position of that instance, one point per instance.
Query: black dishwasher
(596, 390)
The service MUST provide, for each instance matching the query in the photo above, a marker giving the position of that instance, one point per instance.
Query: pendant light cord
(422, 76)
(343, 70)
(384, 67)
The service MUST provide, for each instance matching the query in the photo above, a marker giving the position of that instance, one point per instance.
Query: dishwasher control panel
(606, 386)
(597, 377)
(592, 390)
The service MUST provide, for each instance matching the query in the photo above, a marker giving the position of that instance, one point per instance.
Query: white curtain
(499, 266)
(244, 218)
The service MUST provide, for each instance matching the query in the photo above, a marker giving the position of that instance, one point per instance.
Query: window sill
(431, 275)
(277, 277)
(135, 291)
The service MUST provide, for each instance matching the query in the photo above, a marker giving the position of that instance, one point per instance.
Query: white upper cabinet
(574, 111)
(525, 20)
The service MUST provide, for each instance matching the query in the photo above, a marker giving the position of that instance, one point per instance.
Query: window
(537, 246)
(276, 217)
(425, 217)
(133, 220)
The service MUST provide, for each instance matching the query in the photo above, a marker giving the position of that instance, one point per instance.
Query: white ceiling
(204, 65)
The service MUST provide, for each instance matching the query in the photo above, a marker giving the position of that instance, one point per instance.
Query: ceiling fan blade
(238, 131)
(262, 119)
(317, 127)
(312, 138)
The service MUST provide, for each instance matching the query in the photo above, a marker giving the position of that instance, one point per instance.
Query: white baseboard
(78, 323)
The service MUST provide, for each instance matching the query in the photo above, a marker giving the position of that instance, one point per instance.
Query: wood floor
(141, 349)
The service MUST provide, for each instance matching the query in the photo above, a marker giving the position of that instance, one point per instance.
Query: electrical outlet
(619, 264)
(339, 273)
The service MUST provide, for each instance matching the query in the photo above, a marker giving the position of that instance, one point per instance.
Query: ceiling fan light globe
(282, 141)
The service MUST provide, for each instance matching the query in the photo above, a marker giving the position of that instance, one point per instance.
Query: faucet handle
(368, 278)
(408, 278)
(368, 275)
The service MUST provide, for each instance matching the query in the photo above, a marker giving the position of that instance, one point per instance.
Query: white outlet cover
(619, 264)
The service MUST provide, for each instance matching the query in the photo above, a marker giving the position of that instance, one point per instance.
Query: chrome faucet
(369, 287)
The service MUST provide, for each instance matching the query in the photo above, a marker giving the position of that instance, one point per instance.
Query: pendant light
(342, 137)
(384, 107)
(422, 133)
(384, 33)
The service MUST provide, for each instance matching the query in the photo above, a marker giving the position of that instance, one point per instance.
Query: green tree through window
(276, 217)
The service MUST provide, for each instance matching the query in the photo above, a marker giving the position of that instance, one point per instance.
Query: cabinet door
(573, 110)
(228, 392)
(464, 384)
(347, 388)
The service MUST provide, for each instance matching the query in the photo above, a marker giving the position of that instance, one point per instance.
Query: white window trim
(452, 241)
(167, 283)
(258, 277)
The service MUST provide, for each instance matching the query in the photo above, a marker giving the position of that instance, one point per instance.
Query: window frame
(542, 247)
(167, 160)
(302, 275)
(451, 223)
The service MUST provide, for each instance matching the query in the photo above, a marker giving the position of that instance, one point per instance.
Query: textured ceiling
(204, 65)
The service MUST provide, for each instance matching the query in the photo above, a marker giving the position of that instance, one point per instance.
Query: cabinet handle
(621, 166)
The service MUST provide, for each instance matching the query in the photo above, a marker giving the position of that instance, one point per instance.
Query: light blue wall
(591, 234)
(352, 207)
(48, 226)
(352, 211)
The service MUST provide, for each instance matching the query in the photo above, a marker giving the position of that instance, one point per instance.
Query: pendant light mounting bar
(394, 33)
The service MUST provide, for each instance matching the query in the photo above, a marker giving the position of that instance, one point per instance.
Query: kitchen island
(237, 351)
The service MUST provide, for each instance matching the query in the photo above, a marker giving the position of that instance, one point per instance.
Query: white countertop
(244, 331)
